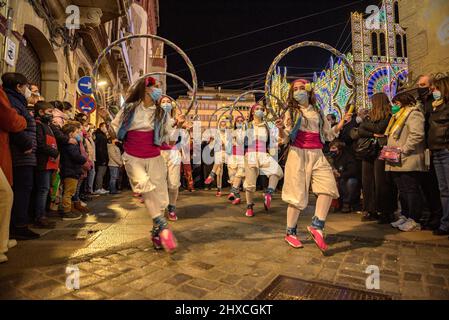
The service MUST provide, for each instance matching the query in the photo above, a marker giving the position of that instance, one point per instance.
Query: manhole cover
(288, 288)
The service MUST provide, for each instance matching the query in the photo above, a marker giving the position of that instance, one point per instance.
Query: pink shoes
(249, 212)
(293, 241)
(231, 196)
(172, 216)
(209, 180)
(218, 194)
(168, 240)
(267, 201)
(236, 201)
(318, 238)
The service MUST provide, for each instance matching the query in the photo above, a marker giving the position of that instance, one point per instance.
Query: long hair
(442, 85)
(381, 107)
(136, 96)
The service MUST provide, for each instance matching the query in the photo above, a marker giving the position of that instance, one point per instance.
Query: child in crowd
(115, 162)
(47, 160)
(72, 163)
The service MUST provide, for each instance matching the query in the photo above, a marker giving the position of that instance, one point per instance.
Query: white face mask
(27, 93)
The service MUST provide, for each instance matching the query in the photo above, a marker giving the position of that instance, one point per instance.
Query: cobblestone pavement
(224, 255)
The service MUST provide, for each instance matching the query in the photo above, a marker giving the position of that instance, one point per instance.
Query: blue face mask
(259, 114)
(436, 95)
(167, 107)
(301, 97)
(239, 126)
(78, 137)
(156, 94)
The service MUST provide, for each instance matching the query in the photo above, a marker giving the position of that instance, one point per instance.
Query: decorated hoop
(184, 82)
(224, 109)
(267, 95)
(147, 36)
(310, 44)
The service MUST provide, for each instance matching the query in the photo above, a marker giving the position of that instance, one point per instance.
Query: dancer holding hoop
(143, 125)
(172, 158)
(221, 144)
(236, 161)
(306, 129)
(258, 160)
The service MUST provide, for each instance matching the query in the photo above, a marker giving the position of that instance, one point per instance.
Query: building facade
(46, 42)
(427, 24)
(210, 99)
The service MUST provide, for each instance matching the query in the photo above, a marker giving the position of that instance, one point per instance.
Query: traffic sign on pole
(85, 85)
(86, 104)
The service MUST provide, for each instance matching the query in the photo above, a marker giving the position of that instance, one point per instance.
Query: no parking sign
(86, 104)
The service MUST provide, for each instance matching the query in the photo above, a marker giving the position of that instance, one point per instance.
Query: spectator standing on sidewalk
(101, 157)
(438, 141)
(10, 121)
(47, 154)
(115, 162)
(23, 149)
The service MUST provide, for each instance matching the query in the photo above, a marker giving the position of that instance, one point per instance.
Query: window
(405, 45)
(383, 51)
(399, 51)
(396, 12)
(374, 44)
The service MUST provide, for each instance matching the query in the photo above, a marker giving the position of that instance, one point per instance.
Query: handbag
(366, 148)
(390, 154)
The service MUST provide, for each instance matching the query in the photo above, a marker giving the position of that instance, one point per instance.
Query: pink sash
(308, 140)
(140, 144)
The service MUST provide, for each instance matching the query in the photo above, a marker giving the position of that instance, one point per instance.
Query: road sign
(10, 52)
(86, 104)
(85, 85)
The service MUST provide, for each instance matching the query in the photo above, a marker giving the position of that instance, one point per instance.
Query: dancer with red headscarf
(306, 129)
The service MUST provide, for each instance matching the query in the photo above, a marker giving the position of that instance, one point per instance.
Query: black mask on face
(46, 117)
(333, 154)
(423, 92)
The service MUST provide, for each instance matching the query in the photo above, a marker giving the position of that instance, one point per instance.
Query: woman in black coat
(379, 193)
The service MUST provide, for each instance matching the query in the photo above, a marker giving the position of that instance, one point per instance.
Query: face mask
(422, 92)
(395, 108)
(333, 154)
(259, 114)
(47, 117)
(156, 94)
(239, 126)
(301, 97)
(27, 93)
(78, 137)
(436, 95)
(167, 107)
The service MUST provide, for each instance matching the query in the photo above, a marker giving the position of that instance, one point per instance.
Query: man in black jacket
(347, 173)
(102, 157)
(429, 181)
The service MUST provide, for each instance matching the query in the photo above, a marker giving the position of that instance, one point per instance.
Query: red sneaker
(209, 180)
(237, 201)
(157, 245)
(267, 201)
(218, 194)
(318, 238)
(231, 196)
(293, 241)
(249, 212)
(172, 216)
(168, 240)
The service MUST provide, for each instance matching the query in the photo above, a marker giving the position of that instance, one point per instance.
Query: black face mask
(423, 92)
(46, 118)
(333, 154)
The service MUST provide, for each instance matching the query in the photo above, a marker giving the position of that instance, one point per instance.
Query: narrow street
(222, 255)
